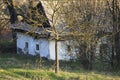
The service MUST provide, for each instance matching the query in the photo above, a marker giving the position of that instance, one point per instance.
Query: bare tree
(114, 8)
(89, 19)
(4, 19)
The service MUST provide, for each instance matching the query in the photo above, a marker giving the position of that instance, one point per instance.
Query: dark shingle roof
(28, 28)
(41, 22)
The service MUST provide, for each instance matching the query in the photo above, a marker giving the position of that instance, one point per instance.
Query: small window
(26, 44)
(37, 46)
(68, 48)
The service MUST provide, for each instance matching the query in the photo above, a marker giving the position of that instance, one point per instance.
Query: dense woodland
(88, 21)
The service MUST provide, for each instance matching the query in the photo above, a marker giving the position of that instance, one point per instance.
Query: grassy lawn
(21, 67)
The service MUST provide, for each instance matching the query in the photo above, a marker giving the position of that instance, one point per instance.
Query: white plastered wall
(42, 42)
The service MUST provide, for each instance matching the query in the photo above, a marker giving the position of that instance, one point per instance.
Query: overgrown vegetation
(7, 46)
(26, 67)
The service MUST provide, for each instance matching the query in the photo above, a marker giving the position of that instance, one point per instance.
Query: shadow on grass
(11, 61)
(38, 75)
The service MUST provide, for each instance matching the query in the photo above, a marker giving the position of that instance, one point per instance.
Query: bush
(7, 46)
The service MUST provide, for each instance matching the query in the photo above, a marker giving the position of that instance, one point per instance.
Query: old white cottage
(36, 41)
(39, 42)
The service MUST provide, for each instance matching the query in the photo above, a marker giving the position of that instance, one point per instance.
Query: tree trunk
(56, 57)
(113, 36)
(116, 53)
(12, 12)
(13, 17)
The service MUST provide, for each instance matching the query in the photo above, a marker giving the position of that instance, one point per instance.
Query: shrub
(7, 46)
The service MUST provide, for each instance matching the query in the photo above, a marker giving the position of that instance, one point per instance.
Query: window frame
(26, 45)
(37, 47)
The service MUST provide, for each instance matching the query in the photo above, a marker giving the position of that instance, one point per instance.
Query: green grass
(21, 67)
